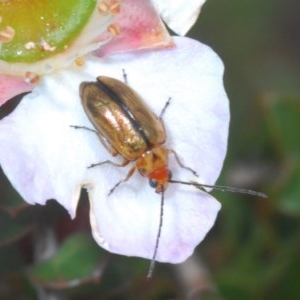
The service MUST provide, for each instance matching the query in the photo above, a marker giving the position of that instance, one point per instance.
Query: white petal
(180, 15)
(47, 159)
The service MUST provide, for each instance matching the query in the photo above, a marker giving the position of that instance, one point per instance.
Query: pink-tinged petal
(179, 15)
(47, 159)
(140, 27)
(11, 86)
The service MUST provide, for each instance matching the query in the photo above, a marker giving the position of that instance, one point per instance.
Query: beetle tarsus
(115, 186)
(165, 108)
(129, 174)
(83, 127)
(181, 164)
(97, 164)
(124, 76)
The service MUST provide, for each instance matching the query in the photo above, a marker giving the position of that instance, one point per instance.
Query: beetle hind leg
(84, 127)
(124, 163)
(103, 141)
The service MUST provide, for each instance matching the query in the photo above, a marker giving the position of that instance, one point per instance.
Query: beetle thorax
(153, 164)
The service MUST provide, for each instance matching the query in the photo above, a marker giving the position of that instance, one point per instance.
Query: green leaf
(283, 115)
(79, 260)
(290, 191)
(11, 230)
(10, 201)
(11, 260)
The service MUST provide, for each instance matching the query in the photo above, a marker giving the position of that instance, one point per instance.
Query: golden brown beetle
(126, 126)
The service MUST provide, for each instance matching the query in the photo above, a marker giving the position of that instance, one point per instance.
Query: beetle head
(153, 164)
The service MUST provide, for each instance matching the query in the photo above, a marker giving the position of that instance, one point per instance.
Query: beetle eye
(153, 183)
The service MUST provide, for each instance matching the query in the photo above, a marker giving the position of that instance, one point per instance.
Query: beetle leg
(84, 127)
(124, 76)
(164, 108)
(105, 144)
(129, 174)
(123, 164)
(180, 163)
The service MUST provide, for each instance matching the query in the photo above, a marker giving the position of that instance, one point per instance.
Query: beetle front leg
(180, 163)
(124, 76)
(164, 108)
(129, 174)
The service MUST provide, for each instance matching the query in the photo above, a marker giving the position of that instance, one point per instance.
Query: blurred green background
(253, 251)
(257, 241)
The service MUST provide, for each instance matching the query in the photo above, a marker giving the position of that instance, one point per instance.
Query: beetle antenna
(222, 188)
(152, 264)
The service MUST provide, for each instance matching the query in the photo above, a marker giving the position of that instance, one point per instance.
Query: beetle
(126, 126)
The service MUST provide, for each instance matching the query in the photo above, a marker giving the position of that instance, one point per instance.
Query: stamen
(46, 46)
(115, 8)
(109, 6)
(30, 45)
(114, 29)
(32, 78)
(7, 34)
(103, 8)
(79, 61)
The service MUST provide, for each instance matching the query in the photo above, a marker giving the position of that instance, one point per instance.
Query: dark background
(256, 241)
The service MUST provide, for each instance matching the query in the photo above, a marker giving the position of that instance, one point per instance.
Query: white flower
(45, 158)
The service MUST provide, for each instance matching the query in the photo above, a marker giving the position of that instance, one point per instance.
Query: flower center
(32, 30)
